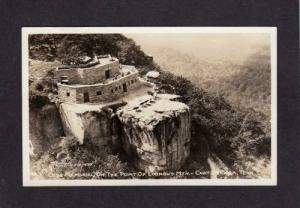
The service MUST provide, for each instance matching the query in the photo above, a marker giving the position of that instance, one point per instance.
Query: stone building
(101, 79)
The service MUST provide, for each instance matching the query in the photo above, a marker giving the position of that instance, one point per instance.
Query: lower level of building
(98, 93)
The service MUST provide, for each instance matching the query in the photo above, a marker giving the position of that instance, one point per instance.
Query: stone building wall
(99, 92)
(88, 75)
(66, 93)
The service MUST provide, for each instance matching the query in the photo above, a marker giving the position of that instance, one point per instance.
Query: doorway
(124, 88)
(107, 74)
(86, 97)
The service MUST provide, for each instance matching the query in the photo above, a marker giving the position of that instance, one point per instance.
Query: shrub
(37, 101)
(69, 160)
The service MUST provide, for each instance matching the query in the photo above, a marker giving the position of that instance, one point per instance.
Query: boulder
(156, 135)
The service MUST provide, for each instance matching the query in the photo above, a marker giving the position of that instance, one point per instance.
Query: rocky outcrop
(45, 128)
(96, 124)
(156, 132)
(101, 128)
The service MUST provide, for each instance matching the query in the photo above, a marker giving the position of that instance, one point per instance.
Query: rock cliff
(156, 132)
(45, 128)
(153, 130)
(96, 124)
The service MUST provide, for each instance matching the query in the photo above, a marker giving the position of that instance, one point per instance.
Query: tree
(74, 46)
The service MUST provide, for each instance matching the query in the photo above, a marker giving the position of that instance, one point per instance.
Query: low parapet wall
(87, 65)
(87, 75)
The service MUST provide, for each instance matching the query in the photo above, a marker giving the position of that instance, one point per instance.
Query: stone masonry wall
(63, 95)
(88, 75)
(100, 92)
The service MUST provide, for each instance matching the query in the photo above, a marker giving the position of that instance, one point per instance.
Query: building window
(116, 88)
(64, 79)
(112, 90)
(131, 81)
(99, 93)
(68, 94)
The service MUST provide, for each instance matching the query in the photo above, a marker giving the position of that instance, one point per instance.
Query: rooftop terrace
(97, 61)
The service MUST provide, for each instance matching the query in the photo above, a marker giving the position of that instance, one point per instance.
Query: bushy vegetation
(69, 160)
(40, 83)
(239, 136)
(69, 48)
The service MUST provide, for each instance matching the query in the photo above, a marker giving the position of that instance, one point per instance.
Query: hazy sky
(233, 47)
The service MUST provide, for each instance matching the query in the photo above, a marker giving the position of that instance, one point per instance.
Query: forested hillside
(67, 48)
(247, 83)
(251, 85)
(237, 135)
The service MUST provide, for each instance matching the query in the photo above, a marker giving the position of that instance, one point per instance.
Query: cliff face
(96, 124)
(101, 128)
(45, 128)
(156, 132)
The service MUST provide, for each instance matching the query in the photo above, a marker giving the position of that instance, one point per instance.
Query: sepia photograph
(124, 106)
